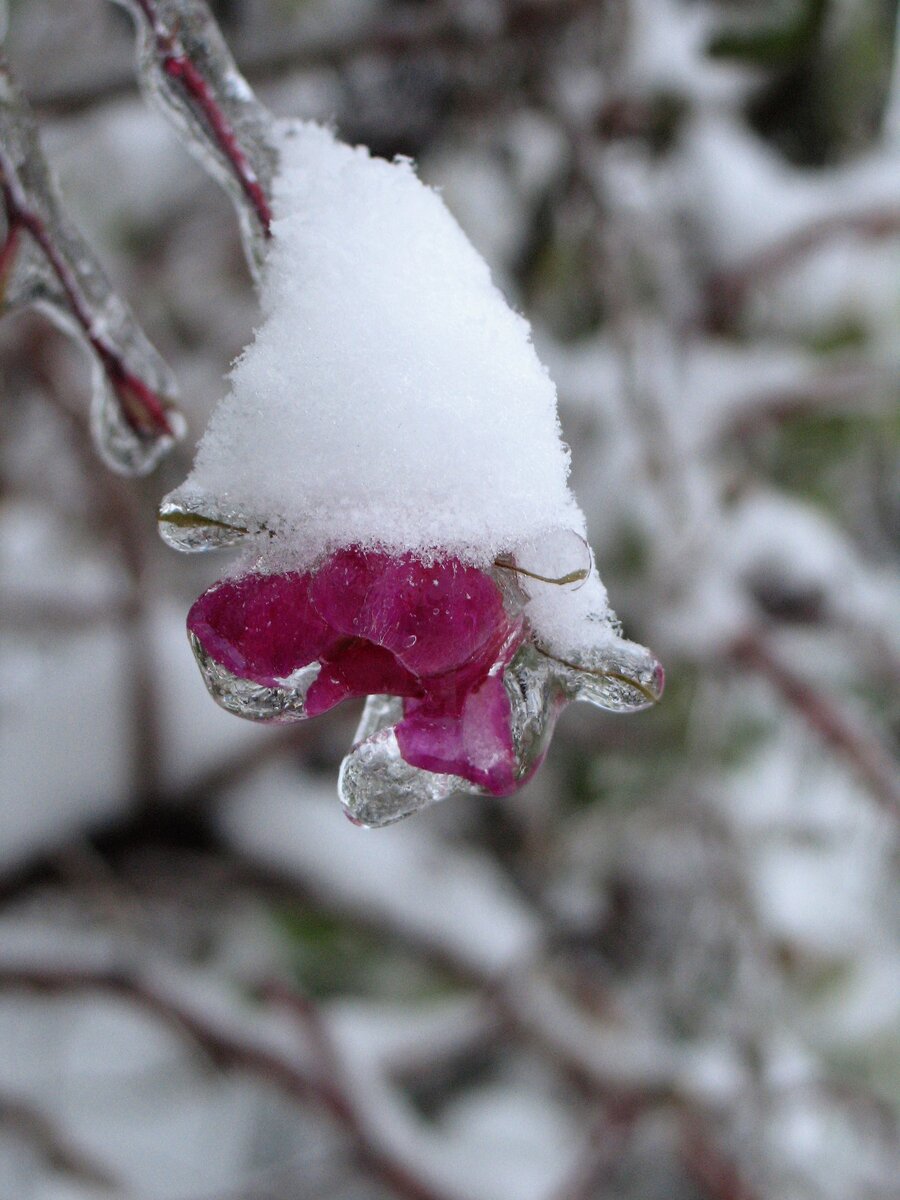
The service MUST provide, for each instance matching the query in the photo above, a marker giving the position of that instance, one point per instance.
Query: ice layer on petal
(477, 744)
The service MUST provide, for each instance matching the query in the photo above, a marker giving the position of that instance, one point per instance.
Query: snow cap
(390, 398)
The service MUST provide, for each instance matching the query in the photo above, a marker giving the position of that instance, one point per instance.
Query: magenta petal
(358, 668)
(380, 625)
(340, 588)
(261, 627)
(433, 617)
(440, 616)
(477, 744)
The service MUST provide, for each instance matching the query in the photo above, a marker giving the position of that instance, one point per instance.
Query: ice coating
(390, 397)
(366, 623)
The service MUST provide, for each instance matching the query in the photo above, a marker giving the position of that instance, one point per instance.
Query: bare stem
(863, 752)
(230, 1051)
(729, 289)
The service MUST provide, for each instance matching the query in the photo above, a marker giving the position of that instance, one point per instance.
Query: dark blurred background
(670, 968)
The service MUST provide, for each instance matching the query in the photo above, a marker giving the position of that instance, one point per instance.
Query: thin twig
(728, 290)
(229, 1051)
(118, 516)
(837, 728)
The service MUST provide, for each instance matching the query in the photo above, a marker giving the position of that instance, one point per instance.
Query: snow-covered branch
(234, 1043)
(823, 714)
(729, 289)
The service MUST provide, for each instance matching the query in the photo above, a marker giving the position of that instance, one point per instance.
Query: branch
(606, 1142)
(359, 1124)
(230, 1050)
(45, 263)
(55, 1147)
(854, 388)
(728, 289)
(391, 33)
(717, 1178)
(186, 70)
(863, 752)
(114, 505)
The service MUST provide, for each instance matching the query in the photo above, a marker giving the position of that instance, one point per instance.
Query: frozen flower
(462, 697)
(389, 454)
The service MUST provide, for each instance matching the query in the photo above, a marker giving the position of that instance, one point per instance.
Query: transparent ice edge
(254, 701)
(196, 524)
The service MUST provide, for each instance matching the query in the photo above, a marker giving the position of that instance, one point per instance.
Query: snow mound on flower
(390, 397)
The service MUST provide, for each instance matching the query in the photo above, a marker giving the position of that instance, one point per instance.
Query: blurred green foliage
(827, 70)
(331, 956)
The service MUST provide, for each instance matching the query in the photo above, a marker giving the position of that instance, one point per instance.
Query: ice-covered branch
(186, 70)
(45, 263)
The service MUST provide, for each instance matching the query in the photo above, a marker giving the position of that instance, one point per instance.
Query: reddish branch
(230, 1051)
(859, 389)
(143, 409)
(175, 62)
(607, 1142)
(715, 1175)
(36, 1128)
(838, 730)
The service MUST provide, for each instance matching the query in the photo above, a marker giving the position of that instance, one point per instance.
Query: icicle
(190, 525)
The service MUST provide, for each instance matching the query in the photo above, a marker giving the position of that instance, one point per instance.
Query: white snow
(411, 878)
(390, 396)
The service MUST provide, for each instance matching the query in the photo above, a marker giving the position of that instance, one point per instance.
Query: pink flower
(458, 665)
(436, 634)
